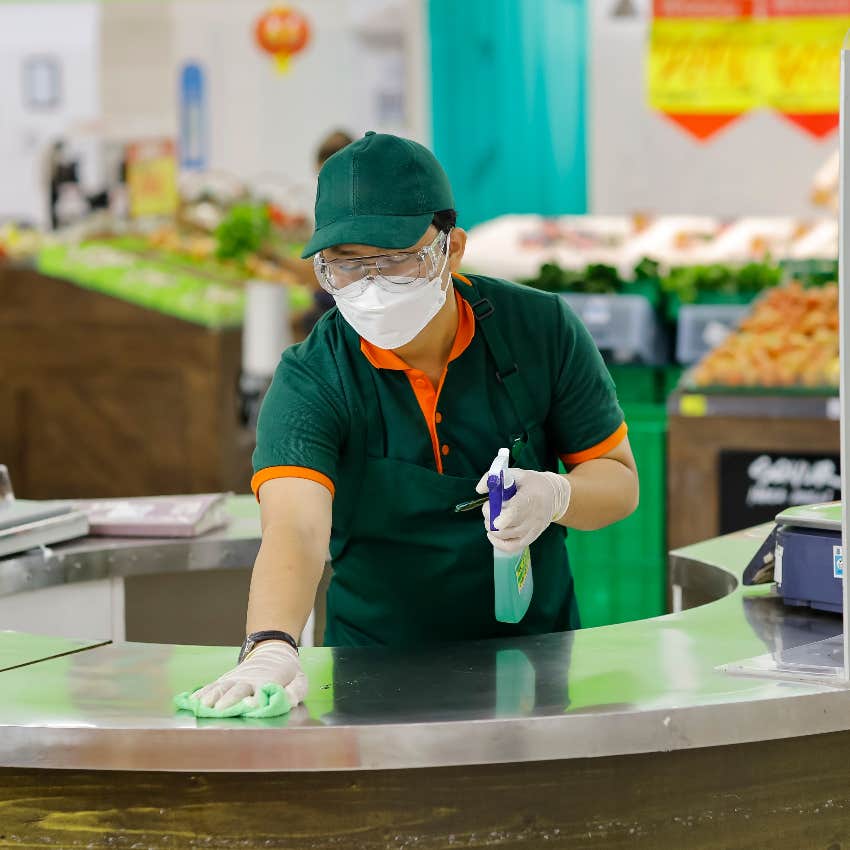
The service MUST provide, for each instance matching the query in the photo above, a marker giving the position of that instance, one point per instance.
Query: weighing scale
(805, 552)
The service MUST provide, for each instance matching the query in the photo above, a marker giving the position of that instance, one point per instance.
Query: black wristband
(257, 637)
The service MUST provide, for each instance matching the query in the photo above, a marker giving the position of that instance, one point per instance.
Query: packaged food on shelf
(820, 242)
(517, 246)
(753, 239)
(671, 241)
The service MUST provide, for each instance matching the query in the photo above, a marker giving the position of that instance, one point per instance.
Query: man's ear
(456, 249)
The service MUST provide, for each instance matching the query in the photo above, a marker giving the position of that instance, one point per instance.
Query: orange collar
(382, 358)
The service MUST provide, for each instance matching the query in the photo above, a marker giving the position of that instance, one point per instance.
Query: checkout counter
(620, 736)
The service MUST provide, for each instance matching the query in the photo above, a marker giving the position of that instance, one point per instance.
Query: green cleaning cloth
(271, 701)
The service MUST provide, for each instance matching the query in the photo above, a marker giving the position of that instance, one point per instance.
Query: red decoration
(282, 32)
(819, 125)
(702, 127)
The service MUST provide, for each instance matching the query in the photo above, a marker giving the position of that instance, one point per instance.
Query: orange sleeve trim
(271, 472)
(465, 279)
(599, 450)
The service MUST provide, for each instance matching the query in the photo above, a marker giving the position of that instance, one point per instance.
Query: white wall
(121, 62)
(70, 33)
(641, 161)
(264, 122)
(138, 91)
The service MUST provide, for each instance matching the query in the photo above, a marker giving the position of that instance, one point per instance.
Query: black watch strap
(257, 637)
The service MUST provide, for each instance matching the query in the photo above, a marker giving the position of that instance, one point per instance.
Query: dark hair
(445, 220)
(332, 144)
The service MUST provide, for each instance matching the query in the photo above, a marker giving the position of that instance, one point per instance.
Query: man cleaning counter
(621, 736)
(382, 422)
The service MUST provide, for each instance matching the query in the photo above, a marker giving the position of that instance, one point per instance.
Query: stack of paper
(155, 516)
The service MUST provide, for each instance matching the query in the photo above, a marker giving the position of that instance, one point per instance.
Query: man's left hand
(541, 498)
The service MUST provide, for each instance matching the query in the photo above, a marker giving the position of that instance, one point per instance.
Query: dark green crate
(670, 377)
(621, 571)
(635, 383)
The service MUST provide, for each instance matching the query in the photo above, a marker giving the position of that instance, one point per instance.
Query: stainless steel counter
(639, 687)
(95, 558)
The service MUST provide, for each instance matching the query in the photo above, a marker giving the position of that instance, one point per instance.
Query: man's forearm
(284, 581)
(604, 491)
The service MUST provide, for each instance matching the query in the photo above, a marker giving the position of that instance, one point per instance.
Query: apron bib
(407, 568)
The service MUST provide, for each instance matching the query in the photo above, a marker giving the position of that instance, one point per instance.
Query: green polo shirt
(457, 427)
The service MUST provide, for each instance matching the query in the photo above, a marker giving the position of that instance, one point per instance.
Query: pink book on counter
(155, 516)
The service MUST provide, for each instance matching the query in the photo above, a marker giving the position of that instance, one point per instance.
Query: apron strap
(507, 370)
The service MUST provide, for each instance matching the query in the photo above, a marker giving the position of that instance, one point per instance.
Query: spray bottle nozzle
(500, 485)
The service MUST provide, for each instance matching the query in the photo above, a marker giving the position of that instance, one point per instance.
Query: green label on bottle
(522, 568)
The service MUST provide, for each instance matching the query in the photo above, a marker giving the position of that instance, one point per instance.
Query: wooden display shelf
(101, 398)
(700, 428)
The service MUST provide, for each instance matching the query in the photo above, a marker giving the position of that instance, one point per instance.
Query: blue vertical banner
(194, 121)
(509, 104)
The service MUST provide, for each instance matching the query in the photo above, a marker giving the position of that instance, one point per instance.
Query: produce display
(187, 273)
(595, 279)
(147, 283)
(18, 243)
(517, 246)
(717, 284)
(790, 339)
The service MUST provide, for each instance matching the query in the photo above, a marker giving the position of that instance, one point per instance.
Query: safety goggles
(348, 277)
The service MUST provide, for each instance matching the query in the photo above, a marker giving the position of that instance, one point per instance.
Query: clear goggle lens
(350, 276)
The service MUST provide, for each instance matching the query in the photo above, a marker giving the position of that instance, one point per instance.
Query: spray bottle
(512, 576)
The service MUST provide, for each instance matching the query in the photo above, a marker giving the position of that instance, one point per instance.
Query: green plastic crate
(635, 383)
(621, 571)
(670, 377)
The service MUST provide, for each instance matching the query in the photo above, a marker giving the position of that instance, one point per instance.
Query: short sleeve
(585, 420)
(300, 427)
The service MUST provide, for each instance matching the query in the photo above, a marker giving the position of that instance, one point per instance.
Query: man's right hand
(272, 662)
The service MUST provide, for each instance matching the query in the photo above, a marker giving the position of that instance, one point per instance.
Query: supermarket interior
(276, 285)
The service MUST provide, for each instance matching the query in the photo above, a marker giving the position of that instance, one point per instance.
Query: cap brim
(395, 232)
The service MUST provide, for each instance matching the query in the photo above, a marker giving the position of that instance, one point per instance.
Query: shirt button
(445, 450)
(439, 418)
(420, 382)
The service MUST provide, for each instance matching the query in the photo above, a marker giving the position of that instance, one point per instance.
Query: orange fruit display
(790, 339)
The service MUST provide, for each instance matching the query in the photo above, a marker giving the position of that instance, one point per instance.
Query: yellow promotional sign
(703, 66)
(152, 178)
(713, 60)
(801, 70)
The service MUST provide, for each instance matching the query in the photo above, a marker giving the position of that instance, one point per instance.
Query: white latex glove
(272, 662)
(541, 498)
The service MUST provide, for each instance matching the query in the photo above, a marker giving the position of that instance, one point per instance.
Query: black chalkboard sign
(756, 486)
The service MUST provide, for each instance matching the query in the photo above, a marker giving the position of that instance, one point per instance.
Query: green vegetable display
(700, 284)
(150, 284)
(690, 282)
(596, 279)
(242, 232)
(599, 279)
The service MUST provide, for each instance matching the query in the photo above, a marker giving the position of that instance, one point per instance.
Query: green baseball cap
(381, 190)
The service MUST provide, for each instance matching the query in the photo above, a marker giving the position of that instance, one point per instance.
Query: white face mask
(392, 319)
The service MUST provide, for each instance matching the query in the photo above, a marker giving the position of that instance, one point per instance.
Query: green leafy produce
(756, 277)
(242, 232)
(647, 269)
(600, 280)
(552, 278)
(595, 280)
(688, 283)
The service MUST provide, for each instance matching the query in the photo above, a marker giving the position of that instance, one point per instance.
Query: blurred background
(670, 168)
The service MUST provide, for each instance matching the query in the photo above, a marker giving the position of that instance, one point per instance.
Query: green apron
(407, 569)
